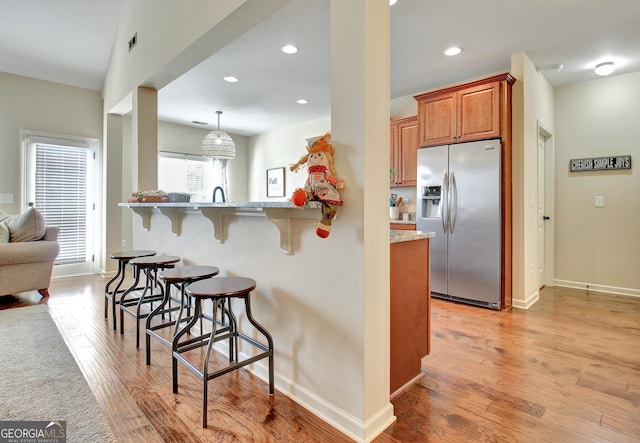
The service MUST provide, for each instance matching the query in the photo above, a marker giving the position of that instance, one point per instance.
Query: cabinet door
(393, 151)
(408, 152)
(437, 116)
(479, 112)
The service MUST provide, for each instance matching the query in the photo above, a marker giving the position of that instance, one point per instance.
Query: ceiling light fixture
(231, 79)
(605, 68)
(218, 144)
(302, 101)
(454, 50)
(289, 49)
(392, 2)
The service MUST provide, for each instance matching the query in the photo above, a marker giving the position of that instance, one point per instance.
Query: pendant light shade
(218, 145)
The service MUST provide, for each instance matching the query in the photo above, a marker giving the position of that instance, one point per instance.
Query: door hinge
(94, 206)
(93, 257)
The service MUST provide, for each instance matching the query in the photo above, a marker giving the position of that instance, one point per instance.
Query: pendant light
(218, 144)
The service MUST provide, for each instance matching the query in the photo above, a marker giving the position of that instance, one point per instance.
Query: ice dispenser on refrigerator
(430, 207)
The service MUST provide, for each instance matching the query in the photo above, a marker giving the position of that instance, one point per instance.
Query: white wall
(532, 105)
(402, 107)
(598, 247)
(40, 106)
(282, 148)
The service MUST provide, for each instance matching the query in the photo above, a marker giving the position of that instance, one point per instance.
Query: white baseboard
(527, 303)
(361, 432)
(597, 288)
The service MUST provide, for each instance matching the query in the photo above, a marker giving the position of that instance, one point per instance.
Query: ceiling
(69, 42)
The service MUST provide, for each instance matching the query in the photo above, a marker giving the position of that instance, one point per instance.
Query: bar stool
(123, 258)
(219, 289)
(180, 278)
(132, 303)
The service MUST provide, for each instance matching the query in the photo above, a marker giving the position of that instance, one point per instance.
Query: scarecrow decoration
(322, 185)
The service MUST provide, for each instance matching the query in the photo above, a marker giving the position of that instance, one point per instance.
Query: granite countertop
(398, 235)
(238, 205)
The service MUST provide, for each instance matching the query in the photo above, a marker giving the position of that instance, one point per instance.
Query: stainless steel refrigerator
(459, 198)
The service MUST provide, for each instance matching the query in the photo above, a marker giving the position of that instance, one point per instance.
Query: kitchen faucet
(215, 190)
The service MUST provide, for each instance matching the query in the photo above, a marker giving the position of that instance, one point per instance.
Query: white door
(59, 182)
(542, 217)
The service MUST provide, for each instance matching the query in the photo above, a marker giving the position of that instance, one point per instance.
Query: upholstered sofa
(26, 255)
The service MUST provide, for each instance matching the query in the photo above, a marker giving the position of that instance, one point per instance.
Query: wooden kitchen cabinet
(467, 112)
(410, 312)
(404, 151)
(402, 226)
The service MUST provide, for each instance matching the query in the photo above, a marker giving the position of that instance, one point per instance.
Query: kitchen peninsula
(240, 239)
(410, 306)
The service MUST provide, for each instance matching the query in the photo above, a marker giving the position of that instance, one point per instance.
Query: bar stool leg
(259, 327)
(205, 371)
(148, 286)
(136, 271)
(113, 295)
(166, 295)
(176, 341)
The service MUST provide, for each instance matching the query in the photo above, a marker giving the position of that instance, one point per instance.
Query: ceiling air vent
(133, 41)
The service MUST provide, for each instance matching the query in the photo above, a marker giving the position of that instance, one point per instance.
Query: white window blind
(61, 187)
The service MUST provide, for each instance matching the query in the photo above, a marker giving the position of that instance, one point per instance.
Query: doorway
(59, 178)
(545, 213)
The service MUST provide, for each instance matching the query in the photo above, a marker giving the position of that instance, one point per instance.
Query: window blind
(61, 195)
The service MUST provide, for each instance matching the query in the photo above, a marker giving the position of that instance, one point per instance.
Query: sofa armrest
(51, 233)
(28, 252)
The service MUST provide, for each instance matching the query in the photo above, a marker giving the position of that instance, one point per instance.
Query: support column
(112, 189)
(360, 132)
(145, 138)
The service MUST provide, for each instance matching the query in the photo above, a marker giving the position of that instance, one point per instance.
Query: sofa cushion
(28, 226)
(4, 233)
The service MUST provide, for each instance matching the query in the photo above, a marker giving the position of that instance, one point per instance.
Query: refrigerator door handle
(444, 196)
(453, 201)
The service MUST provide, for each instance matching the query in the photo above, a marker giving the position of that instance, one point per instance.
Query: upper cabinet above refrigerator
(468, 112)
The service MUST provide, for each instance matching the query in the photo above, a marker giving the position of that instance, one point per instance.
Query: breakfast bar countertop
(397, 235)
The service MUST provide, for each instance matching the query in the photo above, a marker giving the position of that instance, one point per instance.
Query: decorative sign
(600, 163)
(275, 182)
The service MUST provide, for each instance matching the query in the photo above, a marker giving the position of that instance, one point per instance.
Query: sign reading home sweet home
(600, 163)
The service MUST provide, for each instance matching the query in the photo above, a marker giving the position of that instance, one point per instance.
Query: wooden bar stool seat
(132, 300)
(112, 295)
(219, 289)
(179, 277)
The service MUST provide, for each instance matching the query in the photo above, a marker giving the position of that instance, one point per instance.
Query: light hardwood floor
(566, 370)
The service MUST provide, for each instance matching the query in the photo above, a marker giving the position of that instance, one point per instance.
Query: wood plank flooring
(566, 370)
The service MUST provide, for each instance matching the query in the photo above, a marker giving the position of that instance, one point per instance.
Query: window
(195, 175)
(59, 182)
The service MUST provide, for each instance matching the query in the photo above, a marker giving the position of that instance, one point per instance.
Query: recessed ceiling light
(605, 68)
(454, 50)
(392, 2)
(302, 101)
(231, 79)
(289, 49)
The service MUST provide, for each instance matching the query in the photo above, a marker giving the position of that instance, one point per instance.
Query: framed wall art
(275, 182)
